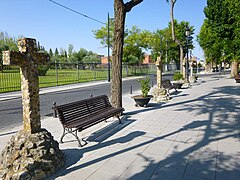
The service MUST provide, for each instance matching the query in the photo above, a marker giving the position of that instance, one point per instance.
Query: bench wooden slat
(168, 85)
(82, 114)
(75, 117)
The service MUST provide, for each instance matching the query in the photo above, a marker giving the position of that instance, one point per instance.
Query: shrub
(145, 86)
(177, 76)
(42, 69)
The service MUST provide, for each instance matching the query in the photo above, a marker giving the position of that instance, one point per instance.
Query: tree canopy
(81, 56)
(7, 43)
(220, 32)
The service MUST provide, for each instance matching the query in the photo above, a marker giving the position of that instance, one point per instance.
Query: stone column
(159, 71)
(32, 153)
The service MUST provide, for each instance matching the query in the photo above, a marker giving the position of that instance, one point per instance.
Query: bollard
(152, 83)
(54, 109)
(130, 89)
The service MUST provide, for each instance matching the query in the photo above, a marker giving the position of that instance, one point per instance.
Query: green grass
(10, 79)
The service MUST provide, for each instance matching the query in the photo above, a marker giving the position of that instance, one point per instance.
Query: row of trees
(135, 42)
(156, 41)
(71, 56)
(159, 42)
(6, 43)
(121, 9)
(219, 36)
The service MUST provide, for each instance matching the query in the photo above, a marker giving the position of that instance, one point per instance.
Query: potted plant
(178, 78)
(143, 99)
(237, 77)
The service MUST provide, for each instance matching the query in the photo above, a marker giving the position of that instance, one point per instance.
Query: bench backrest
(80, 109)
(166, 82)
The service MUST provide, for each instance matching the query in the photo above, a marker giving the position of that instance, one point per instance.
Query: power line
(76, 12)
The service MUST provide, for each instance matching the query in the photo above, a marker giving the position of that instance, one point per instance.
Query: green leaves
(102, 34)
(220, 31)
(7, 43)
(145, 86)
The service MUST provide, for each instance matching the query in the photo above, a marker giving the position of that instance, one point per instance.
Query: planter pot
(142, 101)
(237, 80)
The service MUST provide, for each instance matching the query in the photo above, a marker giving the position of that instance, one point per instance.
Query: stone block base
(160, 95)
(30, 156)
(192, 79)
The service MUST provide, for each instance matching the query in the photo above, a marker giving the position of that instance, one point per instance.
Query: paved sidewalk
(193, 136)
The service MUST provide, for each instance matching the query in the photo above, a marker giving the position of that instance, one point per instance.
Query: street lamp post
(187, 34)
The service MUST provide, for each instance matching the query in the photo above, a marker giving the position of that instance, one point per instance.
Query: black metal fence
(55, 74)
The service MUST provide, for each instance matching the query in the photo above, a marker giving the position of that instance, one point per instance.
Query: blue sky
(56, 27)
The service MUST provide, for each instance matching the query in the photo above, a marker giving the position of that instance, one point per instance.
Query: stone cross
(159, 72)
(28, 59)
(191, 67)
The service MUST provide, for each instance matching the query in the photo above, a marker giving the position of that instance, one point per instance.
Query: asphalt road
(11, 110)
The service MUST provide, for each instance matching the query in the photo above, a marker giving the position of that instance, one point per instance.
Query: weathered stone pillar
(28, 59)
(32, 153)
(159, 93)
(159, 71)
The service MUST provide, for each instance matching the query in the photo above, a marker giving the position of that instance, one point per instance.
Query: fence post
(95, 73)
(78, 71)
(1, 66)
(56, 68)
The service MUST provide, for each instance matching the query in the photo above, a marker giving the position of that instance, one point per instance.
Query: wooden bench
(168, 85)
(79, 115)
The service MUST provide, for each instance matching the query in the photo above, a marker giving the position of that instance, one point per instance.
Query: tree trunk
(120, 10)
(182, 71)
(234, 68)
(116, 84)
(172, 20)
(182, 68)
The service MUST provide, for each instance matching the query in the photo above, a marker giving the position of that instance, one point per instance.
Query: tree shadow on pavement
(203, 158)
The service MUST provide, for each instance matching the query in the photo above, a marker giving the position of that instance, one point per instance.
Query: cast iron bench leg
(79, 142)
(64, 133)
(120, 122)
(69, 130)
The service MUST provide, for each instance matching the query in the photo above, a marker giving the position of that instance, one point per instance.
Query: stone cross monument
(28, 59)
(191, 67)
(159, 93)
(159, 71)
(192, 78)
(31, 153)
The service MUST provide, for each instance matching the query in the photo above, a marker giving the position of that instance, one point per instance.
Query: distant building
(104, 59)
(147, 59)
(100, 56)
